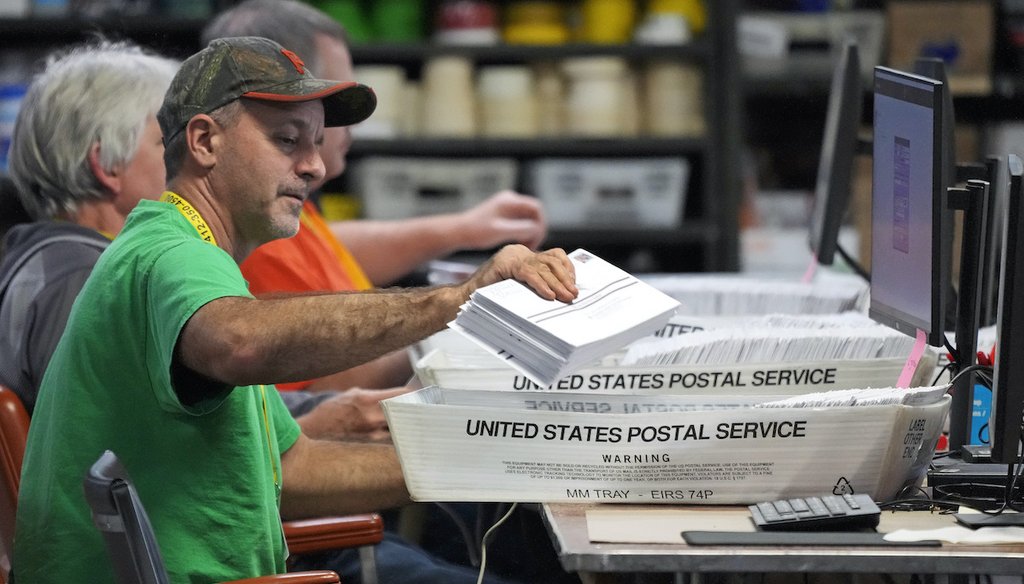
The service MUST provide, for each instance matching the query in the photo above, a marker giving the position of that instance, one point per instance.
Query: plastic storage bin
(610, 193)
(399, 188)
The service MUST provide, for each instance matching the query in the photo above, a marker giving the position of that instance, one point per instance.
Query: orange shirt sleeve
(311, 261)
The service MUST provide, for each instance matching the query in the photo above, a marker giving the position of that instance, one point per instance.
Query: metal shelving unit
(707, 238)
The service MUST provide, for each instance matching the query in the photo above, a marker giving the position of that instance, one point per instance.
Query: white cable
(483, 542)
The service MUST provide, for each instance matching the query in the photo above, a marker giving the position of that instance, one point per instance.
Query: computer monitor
(838, 151)
(911, 228)
(935, 68)
(1007, 412)
(999, 191)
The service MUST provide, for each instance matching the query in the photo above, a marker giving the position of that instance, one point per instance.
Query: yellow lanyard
(189, 212)
(197, 221)
(270, 448)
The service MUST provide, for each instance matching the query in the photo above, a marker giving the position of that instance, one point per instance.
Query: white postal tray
(486, 372)
(464, 445)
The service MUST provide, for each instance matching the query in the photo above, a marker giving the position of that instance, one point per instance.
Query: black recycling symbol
(842, 487)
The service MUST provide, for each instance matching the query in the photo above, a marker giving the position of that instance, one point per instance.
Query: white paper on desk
(661, 525)
(959, 534)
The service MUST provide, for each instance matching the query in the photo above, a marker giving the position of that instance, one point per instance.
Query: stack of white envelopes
(548, 339)
(734, 295)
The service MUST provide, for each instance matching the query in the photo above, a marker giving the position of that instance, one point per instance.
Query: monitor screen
(838, 151)
(1008, 376)
(910, 225)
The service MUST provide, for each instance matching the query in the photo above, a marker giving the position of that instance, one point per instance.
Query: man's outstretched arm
(244, 341)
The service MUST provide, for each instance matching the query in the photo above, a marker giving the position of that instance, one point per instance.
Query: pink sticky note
(915, 357)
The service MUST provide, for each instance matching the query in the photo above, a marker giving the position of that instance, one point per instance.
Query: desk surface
(567, 524)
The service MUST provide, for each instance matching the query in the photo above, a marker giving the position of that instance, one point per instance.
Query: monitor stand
(976, 520)
(973, 201)
(976, 453)
(957, 477)
(975, 484)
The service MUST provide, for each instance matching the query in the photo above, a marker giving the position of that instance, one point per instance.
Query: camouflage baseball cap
(256, 68)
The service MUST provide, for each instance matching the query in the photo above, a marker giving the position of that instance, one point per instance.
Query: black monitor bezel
(1007, 408)
(833, 187)
(941, 219)
(999, 192)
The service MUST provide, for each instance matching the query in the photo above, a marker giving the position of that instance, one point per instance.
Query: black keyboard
(826, 513)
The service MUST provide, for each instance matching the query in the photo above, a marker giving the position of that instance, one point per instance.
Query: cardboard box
(461, 445)
(960, 32)
(486, 372)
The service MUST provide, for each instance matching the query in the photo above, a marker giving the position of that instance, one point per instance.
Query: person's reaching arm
(242, 341)
(353, 414)
(389, 250)
(322, 477)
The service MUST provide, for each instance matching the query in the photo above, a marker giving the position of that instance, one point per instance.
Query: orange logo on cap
(296, 61)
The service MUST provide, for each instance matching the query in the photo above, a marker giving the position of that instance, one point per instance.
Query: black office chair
(131, 543)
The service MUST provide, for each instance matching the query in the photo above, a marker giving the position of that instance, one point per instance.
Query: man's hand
(549, 273)
(505, 217)
(353, 414)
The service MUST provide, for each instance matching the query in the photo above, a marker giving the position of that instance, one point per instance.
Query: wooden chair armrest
(328, 533)
(316, 577)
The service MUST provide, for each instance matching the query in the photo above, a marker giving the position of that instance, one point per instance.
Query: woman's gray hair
(101, 92)
(292, 24)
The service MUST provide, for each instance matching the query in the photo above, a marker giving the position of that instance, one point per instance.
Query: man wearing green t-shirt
(165, 354)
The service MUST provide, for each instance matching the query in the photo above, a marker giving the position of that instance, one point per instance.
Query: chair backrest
(120, 517)
(13, 434)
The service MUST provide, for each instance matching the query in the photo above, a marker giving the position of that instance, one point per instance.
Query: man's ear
(111, 180)
(202, 138)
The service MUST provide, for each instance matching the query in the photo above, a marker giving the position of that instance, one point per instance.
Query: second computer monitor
(1007, 413)
(838, 151)
(910, 226)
